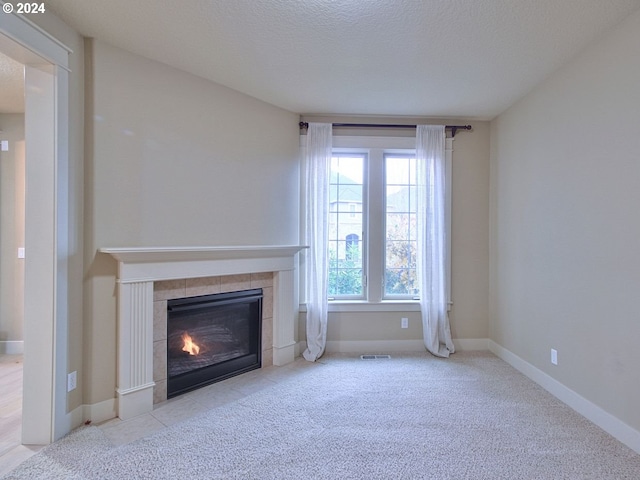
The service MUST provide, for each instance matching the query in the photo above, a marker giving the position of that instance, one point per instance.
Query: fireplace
(141, 377)
(212, 337)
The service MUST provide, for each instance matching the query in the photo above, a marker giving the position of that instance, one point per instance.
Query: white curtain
(318, 165)
(431, 236)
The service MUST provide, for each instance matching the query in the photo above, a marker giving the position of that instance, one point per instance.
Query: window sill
(362, 306)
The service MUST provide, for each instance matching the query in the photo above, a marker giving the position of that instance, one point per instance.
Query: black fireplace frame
(201, 377)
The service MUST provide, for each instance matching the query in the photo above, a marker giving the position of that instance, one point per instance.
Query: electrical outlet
(404, 322)
(72, 381)
(4, 146)
(554, 356)
(20, 252)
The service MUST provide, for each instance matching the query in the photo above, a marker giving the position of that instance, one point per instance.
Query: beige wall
(174, 160)
(12, 171)
(565, 268)
(470, 233)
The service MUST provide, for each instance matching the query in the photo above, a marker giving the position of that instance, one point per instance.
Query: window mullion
(375, 225)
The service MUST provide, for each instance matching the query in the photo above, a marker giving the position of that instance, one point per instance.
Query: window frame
(365, 215)
(373, 300)
(392, 153)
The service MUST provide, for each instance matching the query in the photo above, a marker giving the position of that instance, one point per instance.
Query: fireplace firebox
(211, 338)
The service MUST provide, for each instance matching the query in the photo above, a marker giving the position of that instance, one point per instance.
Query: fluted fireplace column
(135, 350)
(283, 318)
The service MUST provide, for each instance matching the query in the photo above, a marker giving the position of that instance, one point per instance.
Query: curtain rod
(453, 128)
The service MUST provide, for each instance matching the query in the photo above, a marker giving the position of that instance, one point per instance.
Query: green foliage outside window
(345, 274)
(401, 280)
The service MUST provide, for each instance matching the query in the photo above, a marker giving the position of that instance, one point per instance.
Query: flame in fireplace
(189, 347)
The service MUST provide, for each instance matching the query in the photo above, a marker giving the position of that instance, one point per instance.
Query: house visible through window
(346, 194)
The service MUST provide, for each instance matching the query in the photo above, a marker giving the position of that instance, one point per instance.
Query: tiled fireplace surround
(148, 277)
(192, 287)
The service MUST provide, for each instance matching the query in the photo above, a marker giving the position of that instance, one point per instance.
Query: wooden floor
(12, 453)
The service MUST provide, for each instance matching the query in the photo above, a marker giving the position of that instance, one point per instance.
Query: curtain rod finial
(455, 128)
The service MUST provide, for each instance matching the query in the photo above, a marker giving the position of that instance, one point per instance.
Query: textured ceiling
(441, 58)
(11, 85)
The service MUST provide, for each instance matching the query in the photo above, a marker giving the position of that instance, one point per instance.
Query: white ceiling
(440, 58)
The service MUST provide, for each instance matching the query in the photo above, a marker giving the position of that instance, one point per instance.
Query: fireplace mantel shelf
(168, 254)
(166, 263)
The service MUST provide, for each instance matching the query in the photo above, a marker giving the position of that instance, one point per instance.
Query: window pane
(346, 170)
(413, 227)
(400, 254)
(397, 170)
(412, 171)
(349, 195)
(397, 199)
(401, 281)
(413, 199)
(333, 254)
(346, 226)
(346, 281)
(333, 197)
(400, 226)
(350, 224)
(333, 226)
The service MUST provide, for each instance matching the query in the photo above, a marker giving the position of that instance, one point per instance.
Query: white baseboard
(99, 412)
(95, 413)
(610, 424)
(374, 346)
(74, 419)
(12, 347)
(470, 344)
(386, 346)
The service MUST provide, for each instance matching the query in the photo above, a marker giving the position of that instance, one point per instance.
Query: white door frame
(44, 412)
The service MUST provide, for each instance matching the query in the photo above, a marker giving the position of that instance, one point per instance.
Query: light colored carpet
(471, 416)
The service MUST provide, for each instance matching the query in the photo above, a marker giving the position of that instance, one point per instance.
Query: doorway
(12, 218)
(44, 409)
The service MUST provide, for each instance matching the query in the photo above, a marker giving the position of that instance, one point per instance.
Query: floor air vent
(374, 357)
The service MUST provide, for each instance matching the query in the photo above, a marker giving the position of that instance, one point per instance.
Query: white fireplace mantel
(166, 263)
(139, 268)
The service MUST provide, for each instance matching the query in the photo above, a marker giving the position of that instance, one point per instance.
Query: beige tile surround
(164, 290)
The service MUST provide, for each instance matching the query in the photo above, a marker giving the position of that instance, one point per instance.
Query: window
(373, 220)
(400, 226)
(346, 194)
(391, 224)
